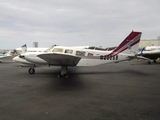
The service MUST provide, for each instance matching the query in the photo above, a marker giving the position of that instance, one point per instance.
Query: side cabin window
(57, 50)
(90, 54)
(80, 53)
(68, 51)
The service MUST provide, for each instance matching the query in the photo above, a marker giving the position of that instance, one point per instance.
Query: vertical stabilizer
(129, 45)
(24, 48)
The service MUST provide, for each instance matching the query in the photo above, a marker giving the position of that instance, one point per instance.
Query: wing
(60, 59)
(143, 58)
(4, 56)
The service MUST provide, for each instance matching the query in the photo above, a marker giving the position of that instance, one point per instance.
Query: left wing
(60, 59)
(2, 57)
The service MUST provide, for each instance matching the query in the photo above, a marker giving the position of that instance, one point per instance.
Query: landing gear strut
(31, 70)
(154, 61)
(63, 72)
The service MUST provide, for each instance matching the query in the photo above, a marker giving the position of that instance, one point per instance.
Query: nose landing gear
(31, 70)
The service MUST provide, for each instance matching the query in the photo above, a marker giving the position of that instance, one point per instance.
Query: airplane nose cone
(15, 58)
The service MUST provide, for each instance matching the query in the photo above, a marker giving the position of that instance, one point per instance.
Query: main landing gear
(63, 72)
(154, 61)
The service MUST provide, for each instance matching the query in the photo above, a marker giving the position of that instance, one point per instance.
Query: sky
(103, 23)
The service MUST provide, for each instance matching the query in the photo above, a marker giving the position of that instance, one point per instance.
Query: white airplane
(8, 54)
(84, 56)
(150, 53)
(23, 50)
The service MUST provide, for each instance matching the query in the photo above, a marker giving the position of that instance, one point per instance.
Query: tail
(24, 48)
(129, 45)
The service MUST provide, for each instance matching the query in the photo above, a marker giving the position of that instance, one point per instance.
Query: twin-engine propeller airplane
(150, 53)
(85, 56)
(8, 54)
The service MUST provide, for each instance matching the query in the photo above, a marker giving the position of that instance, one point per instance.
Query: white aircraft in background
(23, 50)
(150, 53)
(74, 56)
(8, 54)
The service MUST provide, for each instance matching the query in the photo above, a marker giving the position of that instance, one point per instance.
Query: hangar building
(149, 42)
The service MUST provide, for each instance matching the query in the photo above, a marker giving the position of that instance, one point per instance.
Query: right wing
(60, 59)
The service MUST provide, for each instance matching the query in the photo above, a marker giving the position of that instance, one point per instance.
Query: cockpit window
(50, 49)
(80, 53)
(57, 50)
(68, 51)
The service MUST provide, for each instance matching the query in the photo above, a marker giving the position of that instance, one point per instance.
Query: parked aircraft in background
(8, 54)
(150, 53)
(24, 49)
(74, 56)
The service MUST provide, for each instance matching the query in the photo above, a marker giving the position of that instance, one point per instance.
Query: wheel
(63, 76)
(31, 70)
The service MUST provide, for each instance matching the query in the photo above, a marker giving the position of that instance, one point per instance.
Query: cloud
(73, 22)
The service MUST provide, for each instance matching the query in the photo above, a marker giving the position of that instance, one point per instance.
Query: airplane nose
(15, 59)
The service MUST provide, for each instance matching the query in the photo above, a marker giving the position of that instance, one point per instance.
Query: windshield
(50, 49)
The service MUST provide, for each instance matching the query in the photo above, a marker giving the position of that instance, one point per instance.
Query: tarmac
(122, 91)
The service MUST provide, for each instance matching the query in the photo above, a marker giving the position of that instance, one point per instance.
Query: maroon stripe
(127, 40)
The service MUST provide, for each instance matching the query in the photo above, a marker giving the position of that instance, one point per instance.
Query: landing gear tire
(31, 70)
(63, 76)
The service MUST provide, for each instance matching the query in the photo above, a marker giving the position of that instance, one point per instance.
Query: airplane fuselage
(85, 55)
(65, 56)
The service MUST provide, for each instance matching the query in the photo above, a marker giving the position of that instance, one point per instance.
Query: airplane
(150, 53)
(8, 54)
(74, 56)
